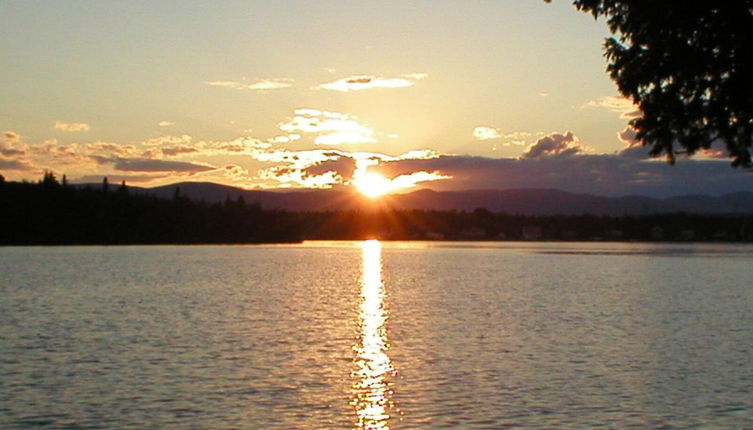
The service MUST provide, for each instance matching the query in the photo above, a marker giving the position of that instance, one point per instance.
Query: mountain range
(513, 201)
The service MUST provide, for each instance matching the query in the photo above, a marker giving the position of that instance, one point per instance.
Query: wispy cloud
(165, 123)
(621, 105)
(403, 182)
(365, 82)
(148, 165)
(330, 128)
(72, 126)
(263, 84)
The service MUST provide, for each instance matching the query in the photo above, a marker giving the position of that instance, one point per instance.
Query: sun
(373, 185)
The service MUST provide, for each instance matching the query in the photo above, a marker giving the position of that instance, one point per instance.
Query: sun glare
(373, 185)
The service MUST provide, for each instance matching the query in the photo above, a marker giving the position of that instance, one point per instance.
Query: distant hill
(516, 201)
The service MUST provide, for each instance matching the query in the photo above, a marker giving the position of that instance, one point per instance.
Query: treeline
(482, 224)
(50, 212)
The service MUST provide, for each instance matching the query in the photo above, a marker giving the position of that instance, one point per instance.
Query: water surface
(398, 335)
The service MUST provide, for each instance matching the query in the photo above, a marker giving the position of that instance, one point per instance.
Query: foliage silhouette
(482, 224)
(687, 65)
(46, 213)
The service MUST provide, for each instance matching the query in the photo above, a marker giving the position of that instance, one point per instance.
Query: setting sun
(373, 185)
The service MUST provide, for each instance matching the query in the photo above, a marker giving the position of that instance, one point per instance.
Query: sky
(283, 94)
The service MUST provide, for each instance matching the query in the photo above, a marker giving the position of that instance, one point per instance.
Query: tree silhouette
(688, 66)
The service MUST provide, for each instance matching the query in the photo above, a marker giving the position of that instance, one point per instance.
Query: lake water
(368, 335)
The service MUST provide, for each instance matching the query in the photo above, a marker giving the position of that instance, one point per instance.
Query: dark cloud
(554, 145)
(343, 166)
(7, 164)
(610, 175)
(172, 151)
(116, 178)
(634, 148)
(10, 147)
(147, 165)
(637, 152)
(11, 152)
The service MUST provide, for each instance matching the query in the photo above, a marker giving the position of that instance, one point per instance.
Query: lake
(400, 335)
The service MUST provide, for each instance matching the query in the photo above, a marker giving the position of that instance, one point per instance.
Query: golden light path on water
(372, 395)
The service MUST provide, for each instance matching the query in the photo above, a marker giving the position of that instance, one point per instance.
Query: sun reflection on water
(372, 395)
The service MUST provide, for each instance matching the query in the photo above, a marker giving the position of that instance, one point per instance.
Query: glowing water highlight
(372, 394)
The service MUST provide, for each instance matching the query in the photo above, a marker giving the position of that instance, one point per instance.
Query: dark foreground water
(369, 335)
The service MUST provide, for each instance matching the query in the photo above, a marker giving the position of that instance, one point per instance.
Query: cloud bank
(555, 160)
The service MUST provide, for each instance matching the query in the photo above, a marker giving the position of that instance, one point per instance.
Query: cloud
(71, 126)
(327, 168)
(87, 179)
(365, 82)
(288, 178)
(599, 174)
(343, 167)
(621, 105)
(178, 150)
(78, 155)
(486, 133)
(633, 147)
(11, 136)
(399, 182)
(10, 164)
(235, 173)
(165, 123)
(12, 146)
(554, 145)
(264, 84)
(330, 128)
(10, 151)
(149, 165)
(168, 140)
